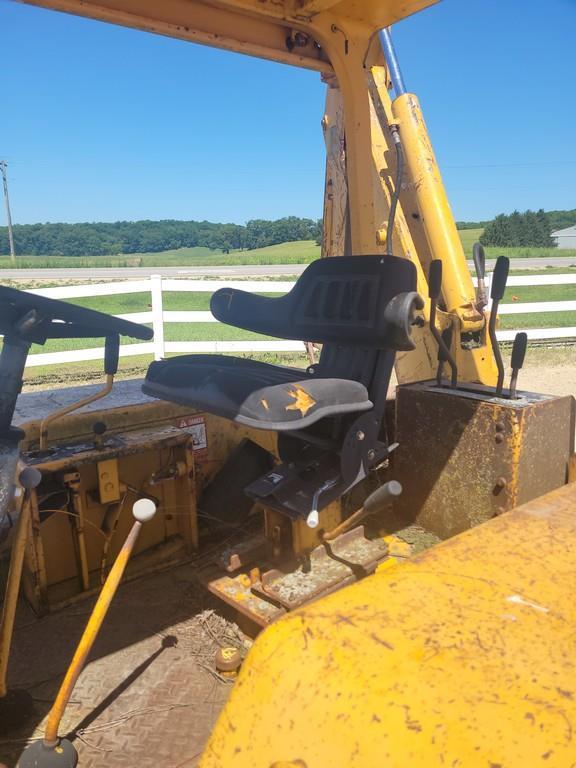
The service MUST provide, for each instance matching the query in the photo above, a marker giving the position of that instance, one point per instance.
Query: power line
(3, 168)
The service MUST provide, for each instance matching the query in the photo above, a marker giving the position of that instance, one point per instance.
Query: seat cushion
(252, 393)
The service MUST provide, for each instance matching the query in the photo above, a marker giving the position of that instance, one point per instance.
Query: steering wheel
(27, 319)
(35, 319)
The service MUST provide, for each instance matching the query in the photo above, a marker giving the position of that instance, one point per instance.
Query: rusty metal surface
(347, 558)
(265, 595)
(243, 553)
(238, 592)
(466, 457)
(149, 695)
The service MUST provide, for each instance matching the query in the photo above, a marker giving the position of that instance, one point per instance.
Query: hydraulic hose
(399, 88)
(397, 186)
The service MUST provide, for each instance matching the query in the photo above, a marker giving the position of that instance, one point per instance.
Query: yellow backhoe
(409, 554)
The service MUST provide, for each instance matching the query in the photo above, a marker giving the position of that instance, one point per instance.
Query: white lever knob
(144, 510)
(312, 519)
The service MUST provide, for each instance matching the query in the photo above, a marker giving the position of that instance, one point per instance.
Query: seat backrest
(358, 307)
(344, 299)
(340, 300)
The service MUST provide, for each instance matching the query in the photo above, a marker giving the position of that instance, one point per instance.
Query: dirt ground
(551, 371)
(150, 695)
(552, 380)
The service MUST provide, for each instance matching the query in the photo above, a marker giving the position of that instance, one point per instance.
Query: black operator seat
(359, 307)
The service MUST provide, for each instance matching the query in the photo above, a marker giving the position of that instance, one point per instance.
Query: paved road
(254, 270)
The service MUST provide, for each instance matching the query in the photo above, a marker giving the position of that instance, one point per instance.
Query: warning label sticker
(196, 425)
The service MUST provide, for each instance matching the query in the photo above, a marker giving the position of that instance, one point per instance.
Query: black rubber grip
(382, 496)
(29, 478)
(435, 279)
(519, 350)
(479, 260)
(111, 354)
(499, 278)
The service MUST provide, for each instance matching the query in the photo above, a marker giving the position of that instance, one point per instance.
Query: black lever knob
(517, 361)
(30, 478)
(111, 354)
(435, 279)
(381, 496)
(519, 350)
(499, 278)
(479, 258)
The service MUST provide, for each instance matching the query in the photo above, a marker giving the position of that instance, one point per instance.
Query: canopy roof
(264, 28)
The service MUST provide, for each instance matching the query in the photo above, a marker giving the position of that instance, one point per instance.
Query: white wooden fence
(157, 316)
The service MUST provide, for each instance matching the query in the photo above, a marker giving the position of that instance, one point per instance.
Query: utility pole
(3, 167)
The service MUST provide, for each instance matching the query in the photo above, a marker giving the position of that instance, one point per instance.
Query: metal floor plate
(149, 695)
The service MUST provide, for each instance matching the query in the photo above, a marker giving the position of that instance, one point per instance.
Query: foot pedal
(265, 597)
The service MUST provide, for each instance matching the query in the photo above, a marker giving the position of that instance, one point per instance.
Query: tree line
(123, 237)
(528, 229)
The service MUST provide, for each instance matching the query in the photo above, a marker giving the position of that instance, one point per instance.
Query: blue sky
(100, 123)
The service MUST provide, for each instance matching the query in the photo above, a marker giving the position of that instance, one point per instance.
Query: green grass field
(85, 372)
(299, 252)
(176, 301)
(468, 238)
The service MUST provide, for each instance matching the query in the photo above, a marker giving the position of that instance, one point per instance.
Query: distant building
(565, 238)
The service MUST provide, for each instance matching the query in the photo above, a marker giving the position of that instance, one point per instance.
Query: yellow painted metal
(475, 364)
(248, 26)
(12, 590)
(73, 545)
(304, 538)
(361, 107)
(445, 243)
(572, 469)
(108, 481)
(335, 218)
(60, 414)
(293, 537)
(69, 550)
(462, 656)
(89, 636)
(79, 520)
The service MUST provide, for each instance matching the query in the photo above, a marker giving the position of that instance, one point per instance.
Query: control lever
(111, 356)
(444, 354)
(479, 258)
(53, 750)
(314, 516)
(99, 430)
(376, 502)
(499, 278)
(517, 361)
(15, 704)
